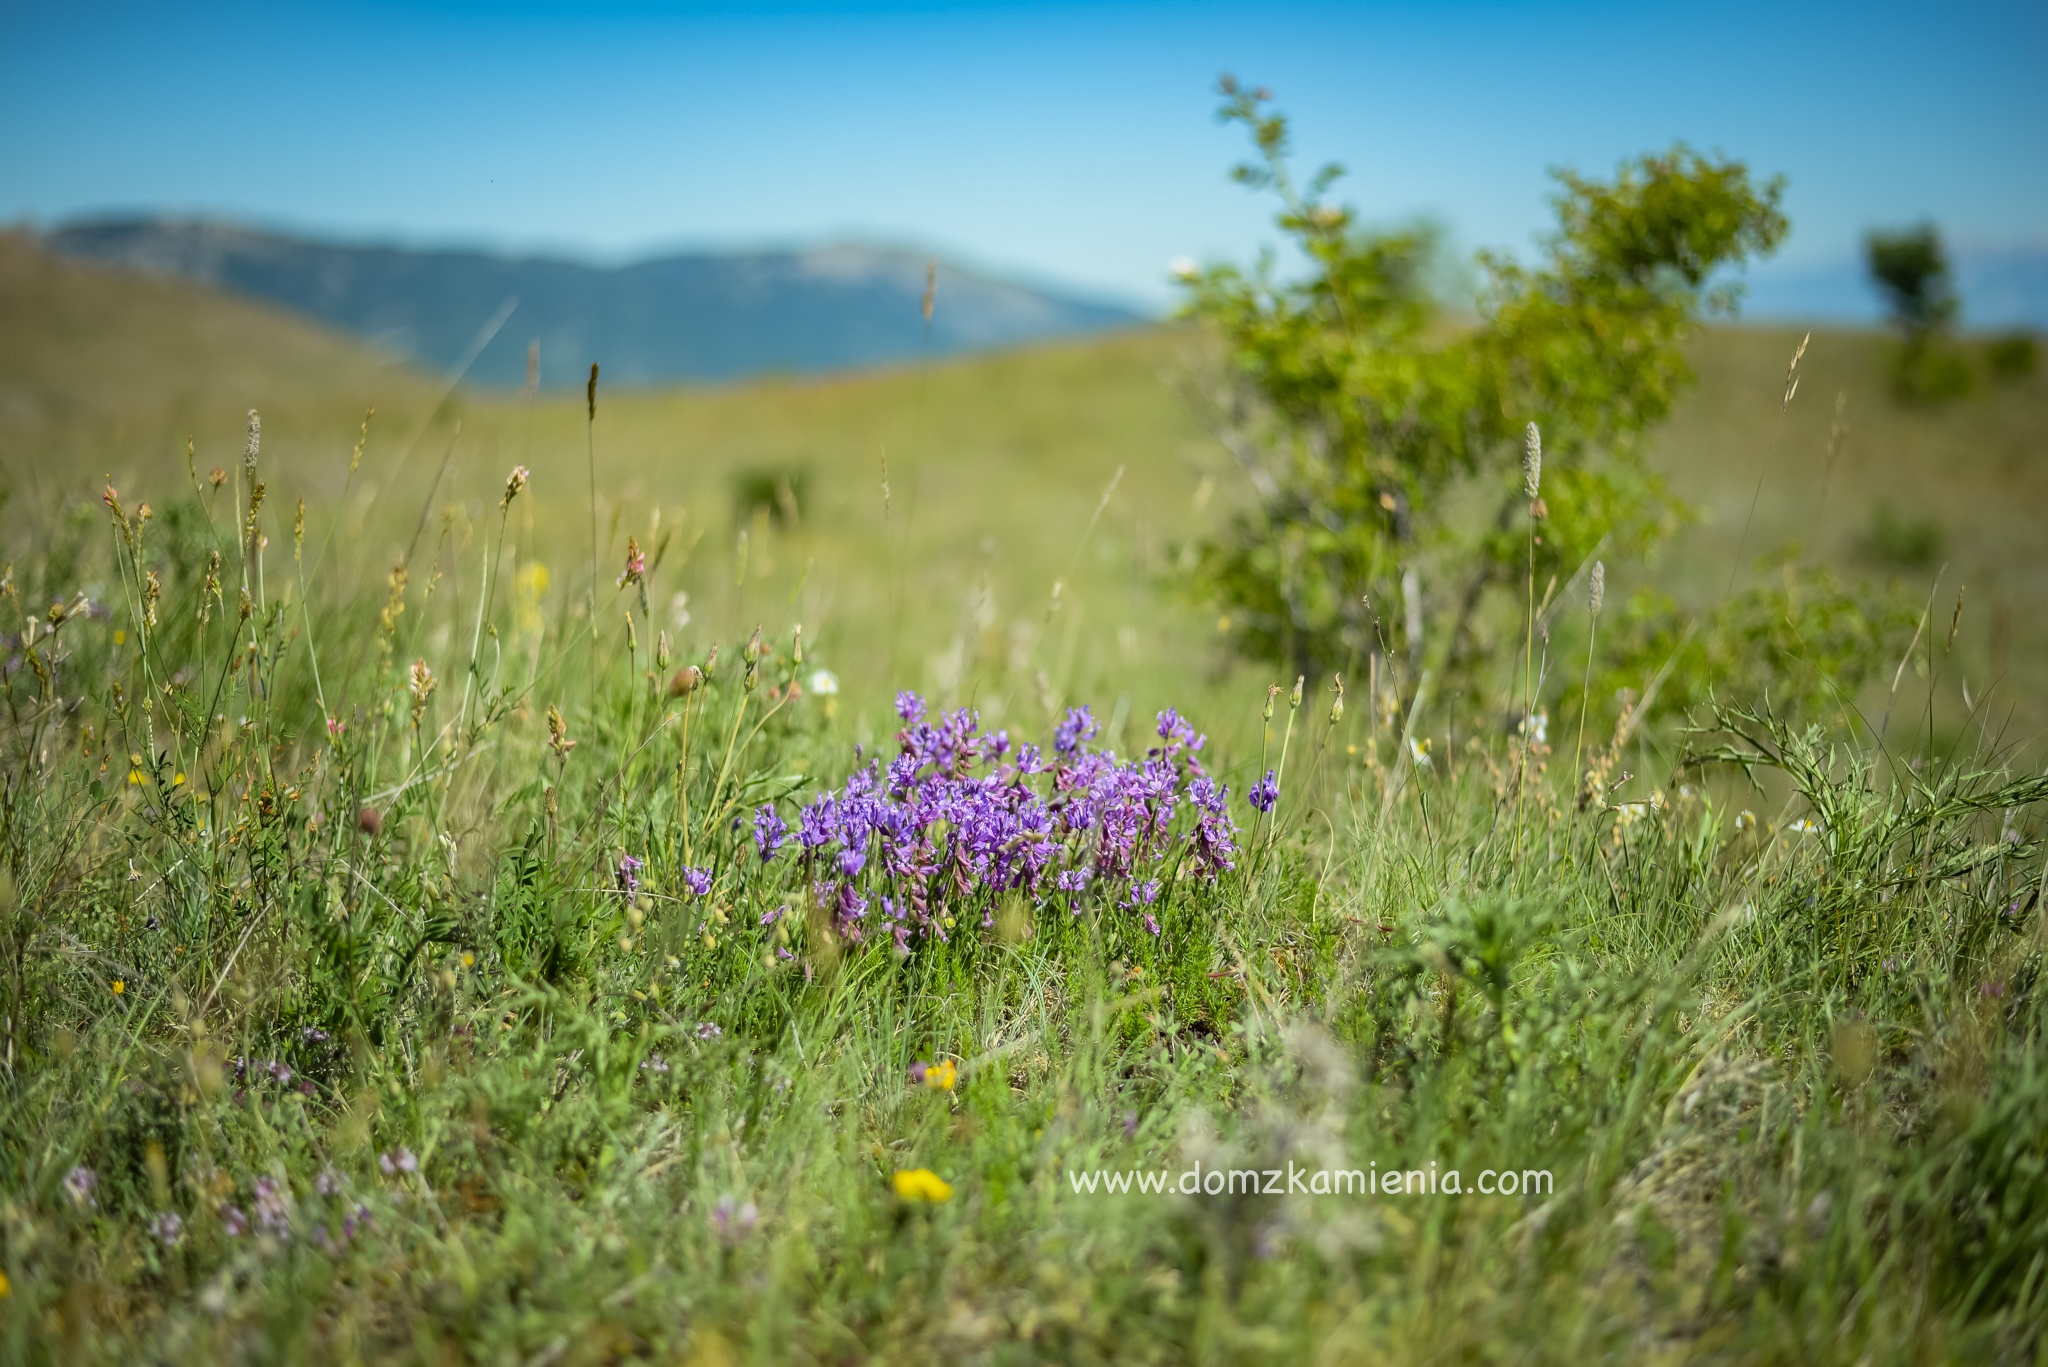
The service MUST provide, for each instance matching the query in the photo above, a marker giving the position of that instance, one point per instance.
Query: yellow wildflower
(922, 1184)
(940, 1076)
(120, 986)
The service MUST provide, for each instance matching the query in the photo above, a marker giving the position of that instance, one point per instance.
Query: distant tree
(1911, 270)
(1359, 399)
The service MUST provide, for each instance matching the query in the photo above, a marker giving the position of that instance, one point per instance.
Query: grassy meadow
(404, 961)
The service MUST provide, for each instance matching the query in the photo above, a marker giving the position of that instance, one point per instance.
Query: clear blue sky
(1071, 142)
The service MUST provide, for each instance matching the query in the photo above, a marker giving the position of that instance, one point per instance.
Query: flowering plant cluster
(960, 818)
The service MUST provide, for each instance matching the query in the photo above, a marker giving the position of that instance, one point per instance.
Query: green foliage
(1799, 637)
(2014, 356)
(1911, 270)
(1361, 401)
(1909, 542)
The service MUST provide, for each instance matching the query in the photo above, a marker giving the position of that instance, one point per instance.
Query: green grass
(1787, 1081)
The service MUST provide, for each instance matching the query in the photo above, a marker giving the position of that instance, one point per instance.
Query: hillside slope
(683, 317)
(104, 371)
(994, 467)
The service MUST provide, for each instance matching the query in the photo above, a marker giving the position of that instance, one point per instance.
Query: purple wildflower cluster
(960, 818)
(82, 1184)
(275, 1214)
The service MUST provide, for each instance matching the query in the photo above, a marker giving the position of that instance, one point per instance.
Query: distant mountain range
(685, 317)
(1999, 288)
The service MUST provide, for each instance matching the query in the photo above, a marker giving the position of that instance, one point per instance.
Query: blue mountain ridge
(684, 317)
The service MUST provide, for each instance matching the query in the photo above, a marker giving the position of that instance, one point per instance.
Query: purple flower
(706, 1030)
(169, 1229)
(398, 1160)
(359, 1218)
(81, 1182)
(1177, 733)
(770, 830)
(328, 1182)
(697, 880)
(1079, 727)
(733, 1220)
(313, 1034)
(959, 820)
(654, 1063)
(273, 1208)
(233, 1221)
(629, 874)
(1265, 794)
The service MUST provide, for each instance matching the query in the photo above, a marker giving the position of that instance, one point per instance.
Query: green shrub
(1360, 401)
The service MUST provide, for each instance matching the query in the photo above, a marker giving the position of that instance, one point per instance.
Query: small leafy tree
(1359, 400)
(1911, 270)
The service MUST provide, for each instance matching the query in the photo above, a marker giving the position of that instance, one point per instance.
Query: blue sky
(1069, 142)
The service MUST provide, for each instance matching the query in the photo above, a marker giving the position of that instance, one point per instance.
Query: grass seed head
(558, 734)
(355, 457)
(1596, 590)
(1532, 463)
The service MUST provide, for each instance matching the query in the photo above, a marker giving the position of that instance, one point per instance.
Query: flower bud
(687, 681)
(1295, 701)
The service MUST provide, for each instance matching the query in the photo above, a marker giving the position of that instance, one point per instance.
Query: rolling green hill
(995, 466)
